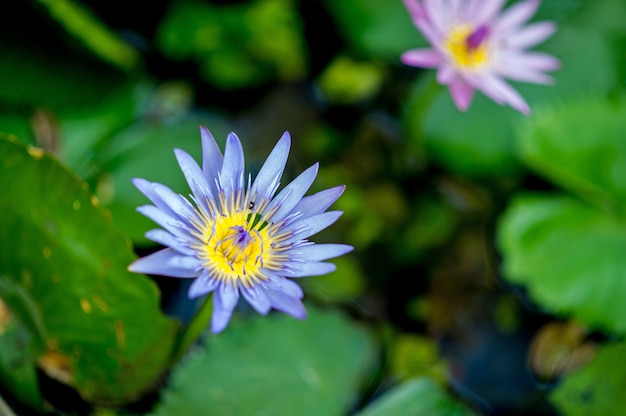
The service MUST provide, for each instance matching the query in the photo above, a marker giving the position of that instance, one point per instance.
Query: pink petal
(424, 58)
(483, 11)
(541, 61)
(446, 74)
(421, 20)
(455, 8)
(531, 35)
(532, 61)
(527, 67)
(525, 75)
(516, 15)
(437, 12)
(501, 92)
(415, 9)
(462, 94)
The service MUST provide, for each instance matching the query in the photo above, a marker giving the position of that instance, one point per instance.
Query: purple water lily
(236, 236)
(474, 47)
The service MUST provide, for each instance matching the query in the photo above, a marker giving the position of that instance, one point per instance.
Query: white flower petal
(173, 225)
(194, 176)
(163, 237)
(212, 158)
(257, 298)
(272, 168)
(319, 202)
(225, 299)
(231, 175)
(165, 199)
(287, 304)
(311, 225)
(174, 204)
(167, 262)
(308, 268)
(319, 252)
(289, 197)
(146, 188)
(282, 284)
(201, 286)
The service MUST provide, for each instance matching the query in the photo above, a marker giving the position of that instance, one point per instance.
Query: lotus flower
(475, 46)
(236, 236)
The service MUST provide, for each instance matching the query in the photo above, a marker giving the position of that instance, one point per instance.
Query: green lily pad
(275, 365)
(569, 256)
(416, 397)
(93, 325)
(597, 389)
(581, 147)
(17, 373)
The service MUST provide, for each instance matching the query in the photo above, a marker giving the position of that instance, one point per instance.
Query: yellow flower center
(467, 46)
(236, 246)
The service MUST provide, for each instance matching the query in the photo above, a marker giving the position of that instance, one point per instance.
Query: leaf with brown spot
(63, 274)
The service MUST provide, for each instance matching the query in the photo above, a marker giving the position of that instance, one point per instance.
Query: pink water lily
(475, 46)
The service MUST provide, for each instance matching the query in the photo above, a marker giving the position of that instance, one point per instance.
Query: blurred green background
(489, 268)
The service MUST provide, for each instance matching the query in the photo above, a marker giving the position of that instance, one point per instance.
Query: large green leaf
(569, 256)
(581, 146)
(92, 324)
(417, 397)
(597, 389)
(274, 366)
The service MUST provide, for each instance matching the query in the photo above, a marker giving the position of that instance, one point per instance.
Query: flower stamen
(468, 47)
